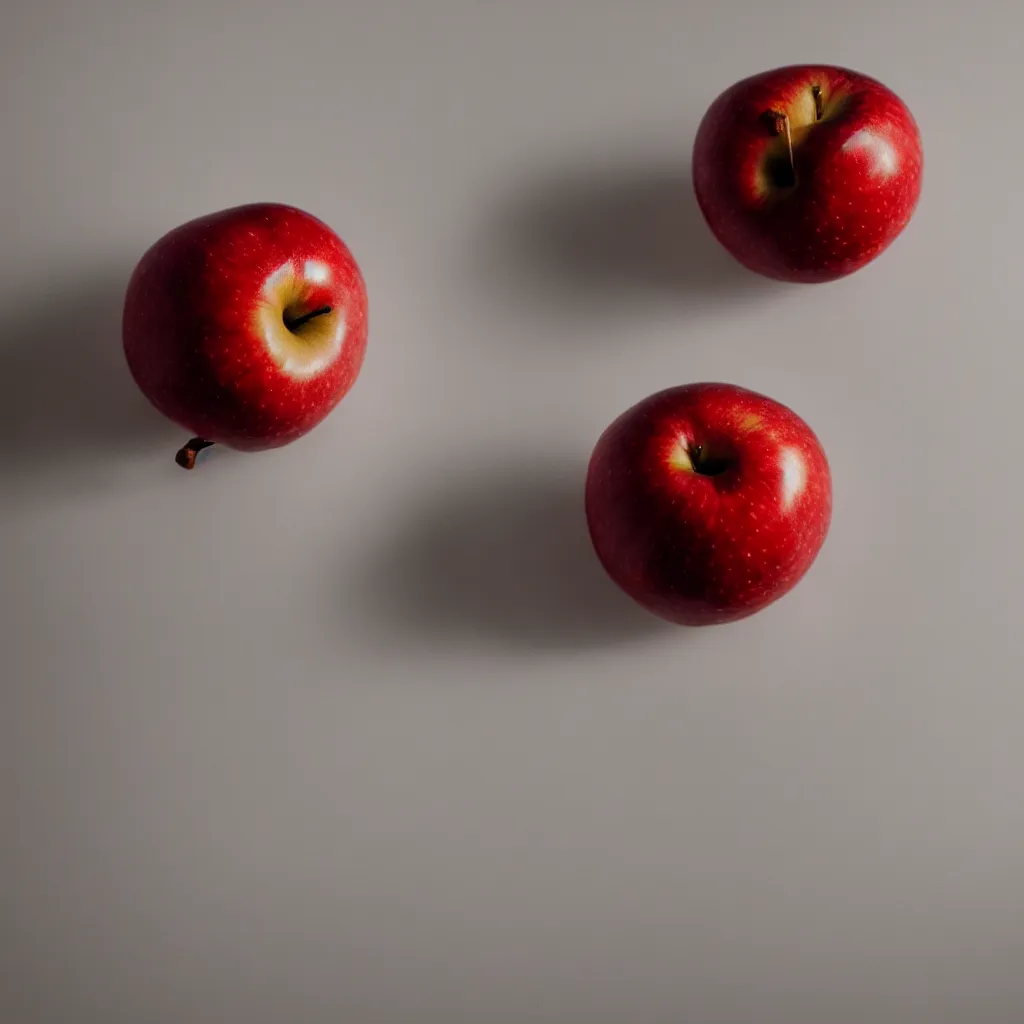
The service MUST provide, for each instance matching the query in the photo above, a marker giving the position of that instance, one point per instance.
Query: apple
(707, 502)
(808, 172)
(246, 327)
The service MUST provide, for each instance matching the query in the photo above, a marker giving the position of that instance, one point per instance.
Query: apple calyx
(188, 454)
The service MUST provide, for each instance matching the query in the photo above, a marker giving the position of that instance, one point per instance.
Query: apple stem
(819, 103)
(187, 455)
(306, 317)
(780, 122)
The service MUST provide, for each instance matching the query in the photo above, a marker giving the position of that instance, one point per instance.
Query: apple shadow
(617, 235)
(505, 560)
(67, 399)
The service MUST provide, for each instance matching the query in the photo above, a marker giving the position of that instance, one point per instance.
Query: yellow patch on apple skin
(679, 457)
(750, 423)
(310, 348)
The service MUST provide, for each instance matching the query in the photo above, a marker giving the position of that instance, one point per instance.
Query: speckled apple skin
(701, 549)
(203, 326)
(858, 172)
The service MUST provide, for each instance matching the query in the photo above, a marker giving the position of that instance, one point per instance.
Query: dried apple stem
(819, 103)
(187, 455)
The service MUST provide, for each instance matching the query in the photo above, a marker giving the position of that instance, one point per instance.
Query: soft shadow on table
(67, 401)
(612, 235)
(501, 560)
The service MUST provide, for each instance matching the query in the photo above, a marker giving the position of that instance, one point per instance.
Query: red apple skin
(858, 172)
(707, 502)
(204, 325)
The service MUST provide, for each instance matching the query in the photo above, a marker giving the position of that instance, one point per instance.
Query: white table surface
(357, 731)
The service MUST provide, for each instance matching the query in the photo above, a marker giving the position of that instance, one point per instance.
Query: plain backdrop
(357, 731)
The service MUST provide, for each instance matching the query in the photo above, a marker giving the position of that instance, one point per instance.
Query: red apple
(246, 327)
(708, 502)
(807, 173)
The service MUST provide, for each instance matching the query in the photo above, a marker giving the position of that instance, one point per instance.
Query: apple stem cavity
(781, 126)
(781, 171)
(293, 324)
(708, 465)
(187, 454)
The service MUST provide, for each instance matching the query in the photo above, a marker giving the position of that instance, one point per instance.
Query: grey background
(357, 731)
